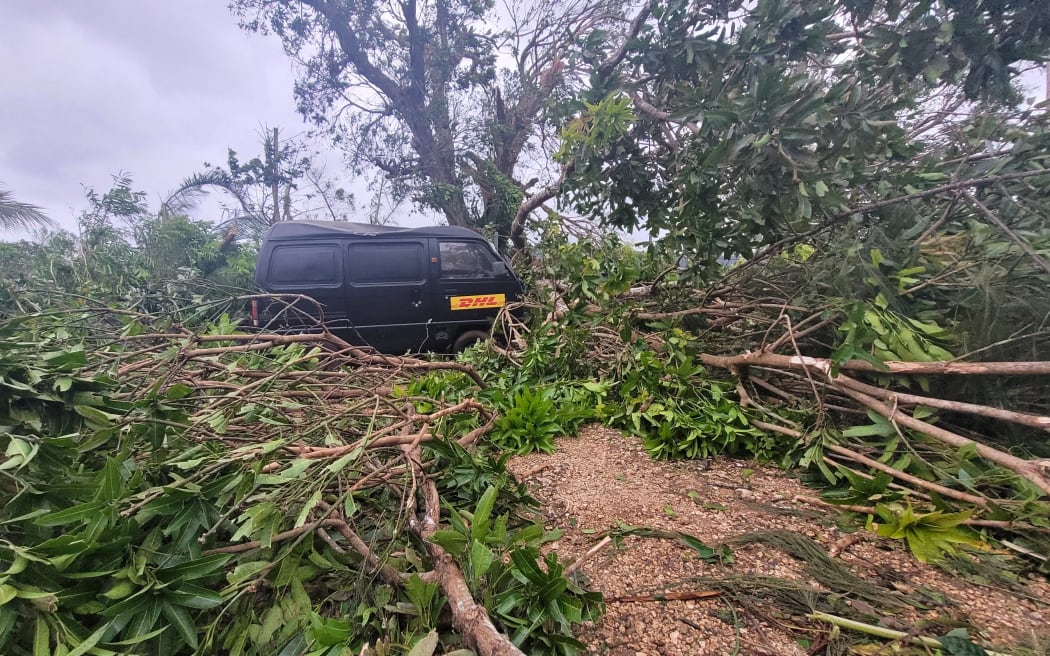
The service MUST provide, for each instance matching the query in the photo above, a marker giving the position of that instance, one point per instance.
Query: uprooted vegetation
(885, 390)
(171, 490)
(173, 485)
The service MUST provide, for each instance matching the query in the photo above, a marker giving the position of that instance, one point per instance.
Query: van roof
(293, 229)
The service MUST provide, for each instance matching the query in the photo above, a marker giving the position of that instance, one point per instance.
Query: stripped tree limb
(578, 563)
(1023, 418)
(875, 464)
(906, 477)
(1033, 471)
(469, 618)
(1038, 368)
(1029, 469)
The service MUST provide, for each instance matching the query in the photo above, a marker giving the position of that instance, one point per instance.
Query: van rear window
(312, 263)
(374, 263)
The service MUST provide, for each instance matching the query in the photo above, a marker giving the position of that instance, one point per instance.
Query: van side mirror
(499, 269)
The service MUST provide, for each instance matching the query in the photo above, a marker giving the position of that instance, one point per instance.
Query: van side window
(465, 259)
(378, 263)
(313, 263)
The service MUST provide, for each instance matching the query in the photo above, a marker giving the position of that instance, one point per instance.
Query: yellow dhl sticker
(478, 301)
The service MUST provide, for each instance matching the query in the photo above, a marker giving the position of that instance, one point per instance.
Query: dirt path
(601, 478)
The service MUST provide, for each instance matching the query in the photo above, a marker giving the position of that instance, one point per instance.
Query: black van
(395, 289)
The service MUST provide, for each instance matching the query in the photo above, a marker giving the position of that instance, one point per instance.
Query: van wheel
(468, 339)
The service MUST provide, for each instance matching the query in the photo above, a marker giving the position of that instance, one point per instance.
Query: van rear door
(312, 268)
(389, 297)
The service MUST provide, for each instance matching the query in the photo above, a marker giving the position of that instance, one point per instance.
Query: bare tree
(433, 95)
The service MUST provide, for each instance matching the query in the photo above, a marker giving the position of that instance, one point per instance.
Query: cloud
(153, 89)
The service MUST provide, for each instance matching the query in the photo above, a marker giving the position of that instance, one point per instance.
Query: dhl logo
(479, 301)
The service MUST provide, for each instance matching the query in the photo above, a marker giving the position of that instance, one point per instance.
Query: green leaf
(304, 513)
(7, 593)
(195, 596)
(71, 515)
(18, 454)
(453, 542)
(183, 623)
(89, 643)
(345, 460)
(328, 632)
(273, 618)
(194, 569)
(247, 570)
(425, 647)
(526, 569)
(120, 590)
(41, 638)
(479, 527)
(481, 558)
(178, 391)
(8, 619)
(957, 643)
(134, 640)
(110, 484)
(96, 418)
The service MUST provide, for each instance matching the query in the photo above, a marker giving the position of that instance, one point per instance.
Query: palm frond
(189, 192)
(14, 214)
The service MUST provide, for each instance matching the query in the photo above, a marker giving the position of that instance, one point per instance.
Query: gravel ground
(601, 478)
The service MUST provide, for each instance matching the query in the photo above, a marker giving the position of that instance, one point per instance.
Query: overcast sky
(151, 87)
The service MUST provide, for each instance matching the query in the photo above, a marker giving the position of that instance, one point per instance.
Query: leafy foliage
(957, 643)
(538, 605)
(126, 256)
(772, 120)
(170, 514)
(876, 334)
(667, 401)
(531, 417)
(928, 535)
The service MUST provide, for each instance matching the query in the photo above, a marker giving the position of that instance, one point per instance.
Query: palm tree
(14, 214)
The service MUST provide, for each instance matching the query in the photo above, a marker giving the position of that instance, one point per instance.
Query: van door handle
(451, 291)
(417, 297)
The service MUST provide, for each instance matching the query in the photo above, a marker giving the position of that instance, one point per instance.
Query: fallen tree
(771, 363)
(222, 491)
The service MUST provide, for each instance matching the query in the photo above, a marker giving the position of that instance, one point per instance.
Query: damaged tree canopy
(879, 174)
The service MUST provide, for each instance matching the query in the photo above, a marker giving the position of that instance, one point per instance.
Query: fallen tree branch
(470, 619)
(1038, 368)
(1030, 470)
(868, 510)
(883, 632)
(585, 557)
(1025, 419)
(906, 477)
(1027, 468)
(875, 464)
